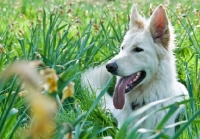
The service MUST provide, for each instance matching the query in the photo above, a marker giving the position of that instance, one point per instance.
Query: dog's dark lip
(130, 86)
(114, 73)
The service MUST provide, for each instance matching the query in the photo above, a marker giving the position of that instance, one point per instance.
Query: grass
(69, 37)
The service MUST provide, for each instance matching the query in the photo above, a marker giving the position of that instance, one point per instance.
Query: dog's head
(144, 45)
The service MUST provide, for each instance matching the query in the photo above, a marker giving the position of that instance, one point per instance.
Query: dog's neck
(135, 105)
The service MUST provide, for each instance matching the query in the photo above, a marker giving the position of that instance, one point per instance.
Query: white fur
(158, 62)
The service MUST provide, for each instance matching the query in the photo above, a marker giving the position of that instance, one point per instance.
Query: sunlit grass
(66, 37)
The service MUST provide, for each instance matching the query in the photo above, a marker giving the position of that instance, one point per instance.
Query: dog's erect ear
(136, 19)
(159, 26)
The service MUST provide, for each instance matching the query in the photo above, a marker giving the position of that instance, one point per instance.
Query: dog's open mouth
(125, 85)
(134, 80)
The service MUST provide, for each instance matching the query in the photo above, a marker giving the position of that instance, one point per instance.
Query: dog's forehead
(131, 39)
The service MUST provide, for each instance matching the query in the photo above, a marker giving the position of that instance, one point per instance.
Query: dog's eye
(137, 49)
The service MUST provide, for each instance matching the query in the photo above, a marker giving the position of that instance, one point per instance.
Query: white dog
(145, 70)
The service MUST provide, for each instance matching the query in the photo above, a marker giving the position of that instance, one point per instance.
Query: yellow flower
(42, 108)
(68, 91)
(23, 93)
(50, 79)
(42, 112)
(2, 49)
(68, 136)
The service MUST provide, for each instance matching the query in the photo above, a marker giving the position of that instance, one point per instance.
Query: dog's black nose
(111, 67)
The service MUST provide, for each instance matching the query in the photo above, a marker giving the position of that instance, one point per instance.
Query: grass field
(49, 43)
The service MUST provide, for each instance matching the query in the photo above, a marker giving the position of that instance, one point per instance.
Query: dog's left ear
(159, 26)
(136, 20)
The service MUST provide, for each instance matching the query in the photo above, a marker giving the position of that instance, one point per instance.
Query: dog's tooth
(134, 80)
(138, 74)
(131, 82)
(126, 87)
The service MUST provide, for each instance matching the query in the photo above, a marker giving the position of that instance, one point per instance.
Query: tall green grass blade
(77, 131)
(44, 31)
(17, 124)
(189, 86)
(12, 117)
(98, 99)
(186, 125)
(6, 111)
(21, 42)
(3, 97)
(171, 111)
(187, 31)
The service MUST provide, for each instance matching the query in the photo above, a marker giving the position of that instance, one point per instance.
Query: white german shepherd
(145, 70)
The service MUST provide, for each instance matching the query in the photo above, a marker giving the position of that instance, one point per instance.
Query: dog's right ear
(159, 26)
(136, 20)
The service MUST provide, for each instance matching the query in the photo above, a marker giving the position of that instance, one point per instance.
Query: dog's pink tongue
(119, 93)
